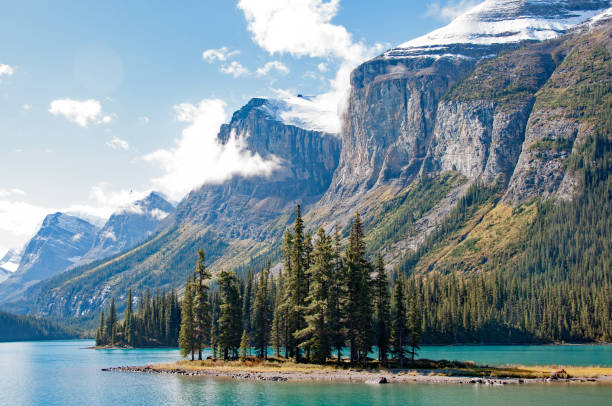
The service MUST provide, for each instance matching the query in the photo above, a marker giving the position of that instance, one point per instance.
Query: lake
(64, 373)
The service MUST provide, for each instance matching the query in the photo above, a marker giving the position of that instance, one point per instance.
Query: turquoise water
(64, 373)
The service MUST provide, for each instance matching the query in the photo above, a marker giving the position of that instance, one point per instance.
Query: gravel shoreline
(356, 376)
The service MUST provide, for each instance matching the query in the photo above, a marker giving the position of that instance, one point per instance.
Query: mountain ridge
(430, 145)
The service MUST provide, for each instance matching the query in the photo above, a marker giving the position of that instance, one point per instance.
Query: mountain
(228, 220)
(9, 264)
(4, 274)
(128, 226)
(61, 241)
(461, 153)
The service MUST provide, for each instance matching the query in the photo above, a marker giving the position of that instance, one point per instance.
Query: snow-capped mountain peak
(509, 21)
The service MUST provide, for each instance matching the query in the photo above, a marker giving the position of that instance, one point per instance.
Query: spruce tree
(247, 304)
(383, 317)
(285, 306)
(278, 319)
(297, 282)
(128, 322)
(316, 335)
(244, 345)
(230, 317)
(201, 310)
(336, 298)
(261, 315)
(414, 327)
(213, 339)
(399, 326)
(187, 336)
(100, 335)
(358, 306)
(111, 323)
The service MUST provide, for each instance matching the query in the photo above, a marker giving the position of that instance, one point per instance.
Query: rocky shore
(356, 376)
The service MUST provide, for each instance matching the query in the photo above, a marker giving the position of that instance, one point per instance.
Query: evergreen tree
(383, 317)
(201, 311)
(358, 306)
(244, 345)
(128, 322)
(247, 302)
(316, 335)
(187, 336)
(278, 321)
(111, 323)
(414, 327)
(337, 291)
(261, 315)
(213, 339)
(297, 285)
(100, 335)
(230, 317)
(399, 326)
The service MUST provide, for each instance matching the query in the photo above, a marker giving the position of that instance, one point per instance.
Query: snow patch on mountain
(307, 112)
(504, 22)
(10, 261)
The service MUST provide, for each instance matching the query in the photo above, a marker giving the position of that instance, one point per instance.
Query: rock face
(129, 226)
(60, 242)
(470, 99)
(243, 206)
(244, 211)
(446, 102)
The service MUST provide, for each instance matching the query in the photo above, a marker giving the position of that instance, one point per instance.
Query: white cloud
(220, 54)
(322, 67)
(101, 196)
(6, 70)
(18, 221)
(11, 192)
(273, 65)
(82, 113)
(304, 28)
(158, 214)
(26, 107)
(235, 69)
(118, 143)
(199, 158)
(450, 9)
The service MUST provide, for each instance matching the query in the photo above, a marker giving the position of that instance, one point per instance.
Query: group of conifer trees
(156, 322)
(322, 301)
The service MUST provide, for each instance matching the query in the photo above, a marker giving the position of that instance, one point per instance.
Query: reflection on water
(64, 373)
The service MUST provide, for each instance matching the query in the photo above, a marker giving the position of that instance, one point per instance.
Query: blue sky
(98, 99)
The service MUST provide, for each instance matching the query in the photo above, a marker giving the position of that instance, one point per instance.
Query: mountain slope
(445, 152)
(129, 226)
(60, 242)
(229, 220)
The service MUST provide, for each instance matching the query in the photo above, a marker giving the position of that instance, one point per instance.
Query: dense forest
(553, 286)
(24, 328)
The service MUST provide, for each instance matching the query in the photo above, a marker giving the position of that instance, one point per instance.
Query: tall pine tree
(382, 309)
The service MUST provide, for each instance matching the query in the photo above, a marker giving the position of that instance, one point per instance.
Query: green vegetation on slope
(162, 261)
(397, 217)
(24, 328)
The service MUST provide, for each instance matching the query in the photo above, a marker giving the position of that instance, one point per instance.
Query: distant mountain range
(447, 148)
(9, 264)
(65, 241)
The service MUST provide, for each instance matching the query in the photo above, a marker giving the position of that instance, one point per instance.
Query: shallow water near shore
(65, 373)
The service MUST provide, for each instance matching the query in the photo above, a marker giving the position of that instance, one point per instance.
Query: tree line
(323, 300)
(155, 323)
(558, 288)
